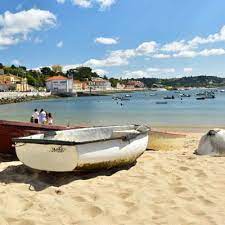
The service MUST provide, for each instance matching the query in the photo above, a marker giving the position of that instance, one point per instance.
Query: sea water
(140, 109)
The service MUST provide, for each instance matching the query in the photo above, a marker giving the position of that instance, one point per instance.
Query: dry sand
(171, 186)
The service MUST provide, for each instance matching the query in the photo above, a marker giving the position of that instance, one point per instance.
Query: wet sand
(168, 185)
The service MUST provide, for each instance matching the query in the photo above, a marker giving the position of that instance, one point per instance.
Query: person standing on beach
(42, 116)
(35, 116)
(50, 119)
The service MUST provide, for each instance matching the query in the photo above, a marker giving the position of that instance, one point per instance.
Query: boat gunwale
(73, 143)
(41, 127)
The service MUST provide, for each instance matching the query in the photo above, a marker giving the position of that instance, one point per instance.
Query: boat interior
(86, 134)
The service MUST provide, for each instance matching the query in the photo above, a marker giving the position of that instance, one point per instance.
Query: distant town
(84, 80)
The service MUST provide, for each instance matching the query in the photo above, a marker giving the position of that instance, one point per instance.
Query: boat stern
(58, 158)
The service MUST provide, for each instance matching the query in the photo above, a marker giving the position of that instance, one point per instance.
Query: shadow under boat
(39, 180)
(14, 129)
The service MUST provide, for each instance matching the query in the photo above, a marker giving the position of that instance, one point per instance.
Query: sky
(117, 38)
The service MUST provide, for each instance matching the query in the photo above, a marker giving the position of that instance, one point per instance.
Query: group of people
(41, 117)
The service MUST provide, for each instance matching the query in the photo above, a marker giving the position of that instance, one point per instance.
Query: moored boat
(169, 97)
(200, 98)
(83, 149)
(161, 103)
(13, 129)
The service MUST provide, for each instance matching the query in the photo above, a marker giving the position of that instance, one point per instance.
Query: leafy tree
(46, 71)
(113, 82)
(82, 73)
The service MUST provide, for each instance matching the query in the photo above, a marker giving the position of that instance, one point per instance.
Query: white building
(99, 84)
(59, 84)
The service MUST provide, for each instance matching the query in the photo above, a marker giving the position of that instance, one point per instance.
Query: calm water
(141, 109)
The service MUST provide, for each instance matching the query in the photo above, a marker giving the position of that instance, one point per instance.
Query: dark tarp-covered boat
(13, 129)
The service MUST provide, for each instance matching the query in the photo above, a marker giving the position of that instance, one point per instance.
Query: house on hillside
(80, 85)
(135, 84)
(99, 84)
(59, 84)
(9, 81)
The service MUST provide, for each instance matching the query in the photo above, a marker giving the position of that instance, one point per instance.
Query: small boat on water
(185, 95)
(200, 98)
(161, 103)
(169, 97)
(125, 99)
(13, 129)
(210, 96)
(83, 149)
(200, 94)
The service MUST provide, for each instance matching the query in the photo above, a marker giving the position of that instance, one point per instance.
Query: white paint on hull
(62, 158)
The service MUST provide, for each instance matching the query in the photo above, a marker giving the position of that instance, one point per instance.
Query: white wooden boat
(83, 149)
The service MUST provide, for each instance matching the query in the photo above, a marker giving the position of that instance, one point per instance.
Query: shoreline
(6, 101)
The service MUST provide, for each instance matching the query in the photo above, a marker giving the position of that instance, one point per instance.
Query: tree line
(37, 78)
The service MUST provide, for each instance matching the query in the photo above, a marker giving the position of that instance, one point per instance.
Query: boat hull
(90, 156)
(13, 129)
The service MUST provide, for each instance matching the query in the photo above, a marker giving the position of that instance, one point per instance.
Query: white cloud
(205, 52)
(188, 70)
(146, 48)
(186, 48)
(59, 44)
(100, 72)
(186, 54)
(61, 1)
(120, 57)
(134, 74)
(82, 3)
(161, 56)
(72, 66)
(106, 41)
(108, 62)
(212, 52)
(147, 73)
(104, 4)
(16, 62)
(212, 38)
(161, 70)
(15, 28)
(176, 46)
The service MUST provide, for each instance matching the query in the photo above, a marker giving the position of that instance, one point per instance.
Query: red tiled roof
(77, 81)
(57, 78)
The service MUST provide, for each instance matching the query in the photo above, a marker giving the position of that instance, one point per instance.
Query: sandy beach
(168, 185)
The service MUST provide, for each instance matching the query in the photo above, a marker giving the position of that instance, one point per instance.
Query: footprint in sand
(183, 168)
(132, 210)
(79, 199)
(205, 201)
(129, 204)
(200, 173)
(20, 221)
(179, 190)
(196, 211)
(125, 195)
(92, 211)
